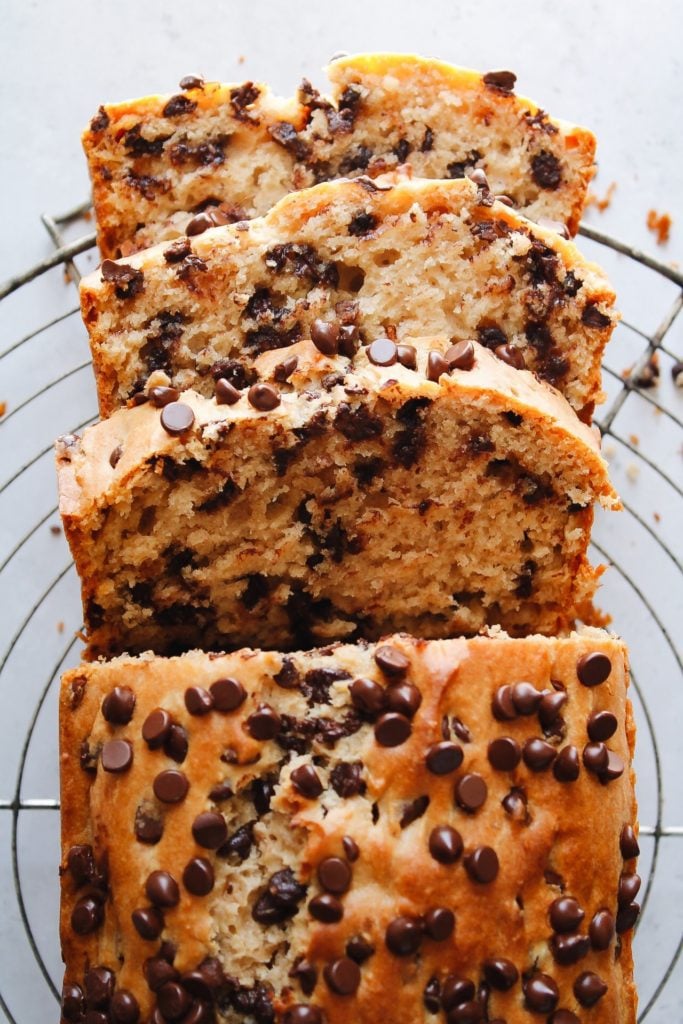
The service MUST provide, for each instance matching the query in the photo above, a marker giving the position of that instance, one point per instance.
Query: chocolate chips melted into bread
(219, 153)
(414, 257)
(410, 832)
(342, 503)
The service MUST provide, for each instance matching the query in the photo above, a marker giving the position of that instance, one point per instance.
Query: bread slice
(412, 832)
(235, 150)
(343, 503)
(412, 257)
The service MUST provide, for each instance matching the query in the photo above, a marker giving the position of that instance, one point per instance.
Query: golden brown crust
(150, 161)
(563, 839)
(437, 259)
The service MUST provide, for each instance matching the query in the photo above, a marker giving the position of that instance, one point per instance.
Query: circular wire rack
(47, 385)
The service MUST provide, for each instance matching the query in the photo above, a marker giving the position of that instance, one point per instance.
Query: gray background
(613, 66)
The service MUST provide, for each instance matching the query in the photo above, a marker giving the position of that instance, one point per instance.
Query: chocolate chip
(306, 974)
(392, 661)
(191, 82)
(445, 844)
(170, 786)
(148, 922)
(351, 848)
(566, 765)
(115, 456)
(601, 929)
(546, 170)
(628, 843)
(526, 698)
(176, 743)
(342, 976)
(510, 355)
(334, 875)
(204, 221)
(227, 694)
(301, 1014)
(457, 991)
(403, 935)
(209, 830)
(155, 728)
(470, 792)
(263, 397)
(280, 900)
(629, 887)
(326, 908)
(368, 696)
(502, 81)
(80, 861)
(502, 704)
(198, 701)
(593, 669)
(436, 366)
(541, 993)
(404, 698)
(443, 758)
(325, 336)
(87, 916)
(566, 914)
(439, 923)
(407, 356)
(482, 864)
(460, 356)
(162, 890)
(569, 949)
(118, 706)
(198, 877)
(359, 949)
(392, 729)
(550, 707)
(413, 810)
(99, 983)
(226, 393)
(117, 756)
(177, 418)
(595, 757)
(515, 804)
(589, 988)
(627, 917)
(615, 767)
(173, 1001)
(127, 280)
(148, 829)
(538, 754)
(382, 352)
(124, 1007)
(264, 723)
(306, 781)
(161, 397)
(504, 754)
(500, 974)
(178, 250)
(592, 317)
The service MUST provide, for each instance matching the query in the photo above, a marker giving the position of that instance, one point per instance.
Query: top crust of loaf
(152, 159)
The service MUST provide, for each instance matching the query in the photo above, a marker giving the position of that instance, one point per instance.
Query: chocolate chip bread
(428, 487)
(411, 832)
(229, 152)
(415, 257)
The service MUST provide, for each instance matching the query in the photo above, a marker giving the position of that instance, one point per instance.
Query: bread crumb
(60, 626)
(648, 377)
(241, 59)
(602, 203)
(55, 530)
(634, 439)
(632, 472)
(660, 225)
(3, 408)
(657, 517)
(609, 450)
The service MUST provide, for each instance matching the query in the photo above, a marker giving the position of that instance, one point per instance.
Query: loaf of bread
(415, 257)
(330, 501)
(411, 832)
(232, 151)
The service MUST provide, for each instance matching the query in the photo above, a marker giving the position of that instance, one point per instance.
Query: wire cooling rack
(47, 384)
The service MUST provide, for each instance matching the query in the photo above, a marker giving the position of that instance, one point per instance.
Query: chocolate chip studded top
(292, 820)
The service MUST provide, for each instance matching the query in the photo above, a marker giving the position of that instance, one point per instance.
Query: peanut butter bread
(412, 832)
(347, 501)
(407, 257)
(229, 152)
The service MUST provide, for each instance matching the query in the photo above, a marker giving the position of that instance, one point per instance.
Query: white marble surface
(615, 67)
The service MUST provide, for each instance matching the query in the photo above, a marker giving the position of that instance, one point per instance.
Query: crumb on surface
(609, 451)
(657, 517)
(601, 203)
(3, 408)
(648, 376)
(632, 472)
(660, 225)
(634, 439)
(241, 59)
(60, 626)
(55, 529)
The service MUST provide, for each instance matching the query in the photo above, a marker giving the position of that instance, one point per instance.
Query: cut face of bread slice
(229, 152)
(408, 257)
(341, 504)
(300, 839)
